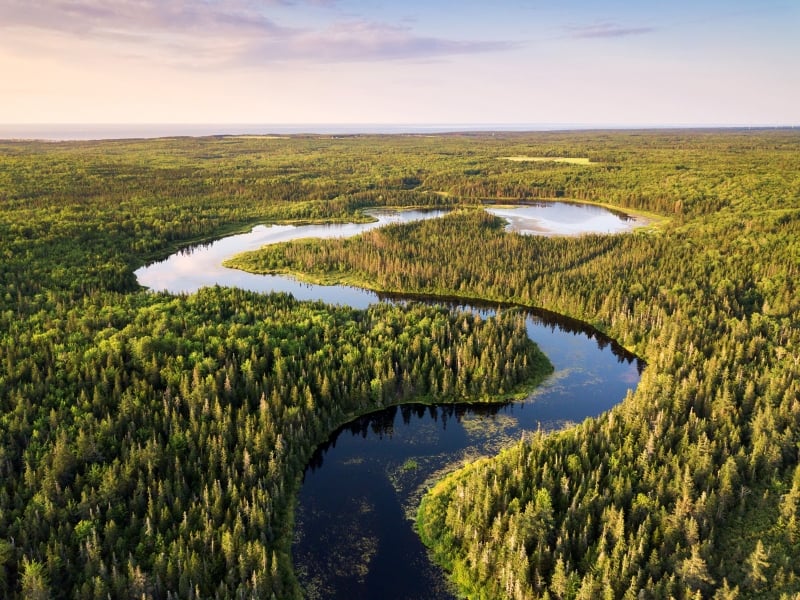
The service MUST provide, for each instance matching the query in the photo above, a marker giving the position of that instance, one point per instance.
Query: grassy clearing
(558, 159)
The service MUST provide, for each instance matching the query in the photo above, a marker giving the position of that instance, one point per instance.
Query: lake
(563, 218)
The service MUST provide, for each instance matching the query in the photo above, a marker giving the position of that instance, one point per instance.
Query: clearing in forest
(560, 159)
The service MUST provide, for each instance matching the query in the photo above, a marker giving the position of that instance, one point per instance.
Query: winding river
(354, 536)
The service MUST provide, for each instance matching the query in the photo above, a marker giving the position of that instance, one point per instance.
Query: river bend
(354, 536)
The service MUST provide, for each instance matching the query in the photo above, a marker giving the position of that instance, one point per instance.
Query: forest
(152, 444)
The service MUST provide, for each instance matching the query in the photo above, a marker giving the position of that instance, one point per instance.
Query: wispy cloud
(367, 41)
(100, 18)
(228, 32)
(607, 30)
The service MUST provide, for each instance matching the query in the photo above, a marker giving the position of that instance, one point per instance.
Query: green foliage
(34, 581)
(642, 496)
(154, 443)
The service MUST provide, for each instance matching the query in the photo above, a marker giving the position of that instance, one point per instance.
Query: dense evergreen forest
(152, 445)
(690, 487)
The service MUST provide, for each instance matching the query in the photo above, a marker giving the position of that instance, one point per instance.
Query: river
(354, 533)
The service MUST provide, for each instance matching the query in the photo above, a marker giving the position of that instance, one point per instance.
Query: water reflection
(190, 269)
(199, 266)
(563, 218)
(380, 425)
(383, 462)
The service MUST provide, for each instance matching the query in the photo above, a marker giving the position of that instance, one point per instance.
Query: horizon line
(71, 131)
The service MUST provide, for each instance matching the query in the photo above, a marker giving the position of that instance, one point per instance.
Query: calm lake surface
(354, 535)
(563, 218)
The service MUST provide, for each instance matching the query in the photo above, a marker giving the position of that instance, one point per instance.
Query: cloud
(607, 30)
(355, 41)
(226, 32)
(99, 18)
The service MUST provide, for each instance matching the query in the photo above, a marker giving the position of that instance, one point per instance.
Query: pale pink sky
(347, 61)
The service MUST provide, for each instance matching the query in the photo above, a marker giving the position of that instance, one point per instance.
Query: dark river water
(354, 535)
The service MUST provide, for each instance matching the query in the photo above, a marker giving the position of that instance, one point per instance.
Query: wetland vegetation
(152, 444)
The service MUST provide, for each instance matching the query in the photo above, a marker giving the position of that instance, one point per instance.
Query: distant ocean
(63, 132)
(117, 131)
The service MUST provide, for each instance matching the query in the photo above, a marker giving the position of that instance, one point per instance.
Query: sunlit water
(200, 266)
(354, 536)
(563, 218)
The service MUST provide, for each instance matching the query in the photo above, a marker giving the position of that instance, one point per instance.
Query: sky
(578, 62)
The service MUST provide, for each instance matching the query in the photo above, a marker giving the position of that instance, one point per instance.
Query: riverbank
(380, 262)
